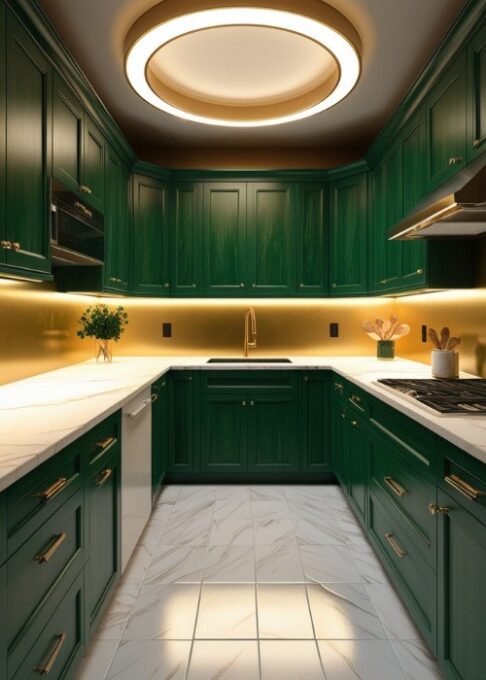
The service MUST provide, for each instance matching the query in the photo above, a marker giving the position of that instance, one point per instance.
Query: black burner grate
(464, 396)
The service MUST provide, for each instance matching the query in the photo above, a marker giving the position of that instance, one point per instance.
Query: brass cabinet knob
(354, 423)
(420, 271)
(243, 403)
(242, 285)
(85, 188)
(254, 285)
(252, 403)
(15, 246)
(166, 285)
(343, 415)
(193, 285)
(454, 160)
(301, 285)
(6, 245)
(478, 142)
(306, 379)
(333, 285)
(435, 509)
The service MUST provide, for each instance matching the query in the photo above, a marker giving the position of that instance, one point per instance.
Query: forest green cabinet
(117, 226)
(224, 239)
(150, 237)
(315, 420)
(271, 245)
(348, 236)
(476, 71)
(186, 260)
(311, 236)
(25, 224)
(183, 419)
(160, 433)
(224, 433)
(447, 122)
(273, 429)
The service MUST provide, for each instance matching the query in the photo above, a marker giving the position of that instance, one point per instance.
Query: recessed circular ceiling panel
(242, 66)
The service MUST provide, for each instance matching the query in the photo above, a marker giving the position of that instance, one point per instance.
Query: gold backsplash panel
(38, 327)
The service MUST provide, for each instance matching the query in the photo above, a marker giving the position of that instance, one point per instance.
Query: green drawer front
(415, 580)
(34, 498)
(47, 560)
(249, 380)
(338, 388)
(101, 442)
(357, 400)
(60, 644)
(409, 491)
(464, 479)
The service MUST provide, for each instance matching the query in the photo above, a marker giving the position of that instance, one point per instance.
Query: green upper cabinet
(150, 237)
(186, 239)
(224, 239)
(78, 147)
(271, 238)
(348, 236)
(311, 240)
(117, 226)
(476, 69)
(447, 123)
(377, 228)
(27, 162)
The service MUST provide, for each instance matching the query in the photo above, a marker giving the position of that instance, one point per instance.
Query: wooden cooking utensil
(444, 337)
(434, 338)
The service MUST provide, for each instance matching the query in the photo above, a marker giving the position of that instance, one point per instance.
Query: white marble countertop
(41, 415)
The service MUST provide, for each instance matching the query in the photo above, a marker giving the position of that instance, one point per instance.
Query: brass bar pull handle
(105, 476)
(355, 398)
(463, 487)
(478, 142)
(53, 490)
(85, 188)
(396, 547)
(15, 246)
(82, 207)
(435, 509)
(46, 556)
(44, 669)
(106, 443)
(395, 486)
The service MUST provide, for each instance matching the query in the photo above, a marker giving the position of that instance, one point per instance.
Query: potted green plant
(104, 325)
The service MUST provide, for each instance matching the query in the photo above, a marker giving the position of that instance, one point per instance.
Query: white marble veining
(259, 612)
(42, 414)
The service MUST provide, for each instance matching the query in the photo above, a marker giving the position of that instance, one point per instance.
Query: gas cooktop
(444, 397)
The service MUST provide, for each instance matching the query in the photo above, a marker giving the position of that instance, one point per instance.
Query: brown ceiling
(398, 38)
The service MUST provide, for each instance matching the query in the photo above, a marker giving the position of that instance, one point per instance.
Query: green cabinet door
(377, 228)
(93, 165)
(28, 156)
(183, 428)
(447, 123)
(348, 236)
(117, 226)
(271, 246)
(102, 570)
(150, 237)
(186, 239)
(67, 135)
(340, 457)
(462, 592)
(314, 425)
(357, 458)
(476, 72)
(224, 423)
(160, 434)
(3, 140)
(273, 427)
(224, 239)
(311, 240)
(414, 160)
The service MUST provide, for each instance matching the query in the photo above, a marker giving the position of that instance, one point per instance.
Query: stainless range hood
(456, 210)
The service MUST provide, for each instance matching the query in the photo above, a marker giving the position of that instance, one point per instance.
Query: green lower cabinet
(273, 434)
(160, 433)
(357, 444)
(3, 621)
(462, 592)
(103, 568)
(340, 451)
(183, 418)
(314, 422)
(224, 433)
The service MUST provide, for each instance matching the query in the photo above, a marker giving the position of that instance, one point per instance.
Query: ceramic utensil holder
(385, 349)
(445, 363)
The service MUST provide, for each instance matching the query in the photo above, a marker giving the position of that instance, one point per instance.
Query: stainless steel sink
(247, 360)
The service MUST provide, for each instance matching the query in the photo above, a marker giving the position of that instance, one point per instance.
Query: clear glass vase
(103, 350)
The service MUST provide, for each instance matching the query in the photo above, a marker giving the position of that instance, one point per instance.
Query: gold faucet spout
(249, 341)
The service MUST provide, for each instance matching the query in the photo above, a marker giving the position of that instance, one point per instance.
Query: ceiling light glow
(341, 48)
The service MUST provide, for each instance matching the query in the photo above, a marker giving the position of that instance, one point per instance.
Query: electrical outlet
(334, 330)
(424, 333)
(166, 330)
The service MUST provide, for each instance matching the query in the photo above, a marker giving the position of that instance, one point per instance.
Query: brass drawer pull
(15, 246)
(154, 397)
(53, 490)
(85, 188)
(252, 403)
(478, 142)
(47, 667)
(6, 245)
(46, 556)
(105, 443)
(338, 387)
(396, 547)
(83, 208)
(395, 486)
(435, 509)
(343, 415)
(454, 160)
(105, 476)
(463, 487)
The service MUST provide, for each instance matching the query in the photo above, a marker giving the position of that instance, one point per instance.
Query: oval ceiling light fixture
(263, 63)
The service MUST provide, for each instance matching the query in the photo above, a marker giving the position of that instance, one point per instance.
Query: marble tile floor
(255, 583)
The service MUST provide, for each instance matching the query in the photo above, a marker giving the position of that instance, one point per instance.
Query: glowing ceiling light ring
(341, 48)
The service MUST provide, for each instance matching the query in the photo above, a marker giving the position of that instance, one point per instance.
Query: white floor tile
(416, 660)
(263, 492)
(150, 659)
(319, 532)
(226, 611)
(166, 611)
(283, 612)
(176, 564)
(278, 564)
(231, 508)
(290, 660)
(137, 566)
(224, 660)
(329, 564)
(393, 615)
(231, 531)
(274, 532)
(230, 564)
(115, 619)
(97, 660)
(359, 660)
